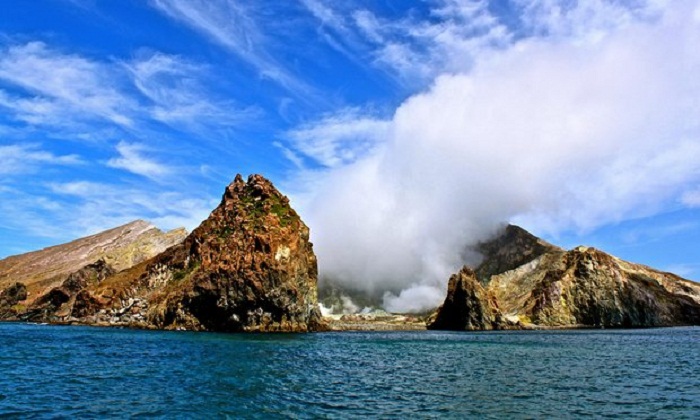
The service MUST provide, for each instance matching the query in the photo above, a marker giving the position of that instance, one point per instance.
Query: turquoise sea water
(50, 371)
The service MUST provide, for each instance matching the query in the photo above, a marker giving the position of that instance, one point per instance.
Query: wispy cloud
(47, 212)
(101, 206)
(233, 25)
(687, 270)
(82, 207)
(337, 30)
(131, 158)
(585, 21)
(60, 84)
(26, 158)
(340, 138)
(648, 234)
(691, 198)
(412, 49)
(178, 97)
(79, 95)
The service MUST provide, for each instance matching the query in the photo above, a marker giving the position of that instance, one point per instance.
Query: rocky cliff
(248, 267)
(121, 248)
(468, 306)
(523, 282)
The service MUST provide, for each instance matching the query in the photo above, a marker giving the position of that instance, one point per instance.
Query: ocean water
(51, 371)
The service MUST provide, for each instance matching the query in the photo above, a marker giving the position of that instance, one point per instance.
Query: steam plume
(568, 131)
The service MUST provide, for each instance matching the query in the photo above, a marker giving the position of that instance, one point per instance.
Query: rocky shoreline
(250, 267)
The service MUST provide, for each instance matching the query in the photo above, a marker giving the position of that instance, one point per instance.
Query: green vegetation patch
(182, 274)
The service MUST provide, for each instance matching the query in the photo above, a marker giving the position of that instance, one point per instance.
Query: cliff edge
(524, 282)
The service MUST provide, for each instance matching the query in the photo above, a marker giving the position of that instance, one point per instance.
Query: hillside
(121, 248)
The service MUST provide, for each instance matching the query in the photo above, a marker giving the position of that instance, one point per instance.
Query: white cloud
(234, 25)
(173, 86)
(61, 85)
(340, 138)
(101, 206)
(691, 198)
(25, 158)
(131, 159)
(574, 128)
(415, 298)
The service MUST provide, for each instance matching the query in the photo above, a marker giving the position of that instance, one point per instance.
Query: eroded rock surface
(248, 267)
(59, 301)
(121, 248)
(468, 306)
(10, 299)
(528, 283)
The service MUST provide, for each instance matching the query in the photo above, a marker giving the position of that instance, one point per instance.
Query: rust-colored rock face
(248, 267)
(528, 283)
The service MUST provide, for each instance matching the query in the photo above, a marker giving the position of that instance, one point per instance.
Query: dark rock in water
(468, 306)
(44, 309)
(534, 285)
(10, 299)
(248, 267)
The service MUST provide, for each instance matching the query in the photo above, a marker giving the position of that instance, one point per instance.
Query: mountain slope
(528, 283)
(121, 248)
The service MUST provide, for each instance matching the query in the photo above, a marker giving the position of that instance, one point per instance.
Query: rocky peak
(248, 267)
(513, 247)
(252, 216)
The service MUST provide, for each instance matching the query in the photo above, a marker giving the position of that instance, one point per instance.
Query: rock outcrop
(468, 306)
(121, 248)
(248, 267)
(59, 301)
(10, 299)
(526, 283)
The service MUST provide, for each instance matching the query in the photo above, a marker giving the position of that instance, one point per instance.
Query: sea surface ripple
(87, 372)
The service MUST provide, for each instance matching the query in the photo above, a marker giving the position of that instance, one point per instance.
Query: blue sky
(402, 130)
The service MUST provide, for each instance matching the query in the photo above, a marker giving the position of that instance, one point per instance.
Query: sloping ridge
(524, 282)
(121, 247)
